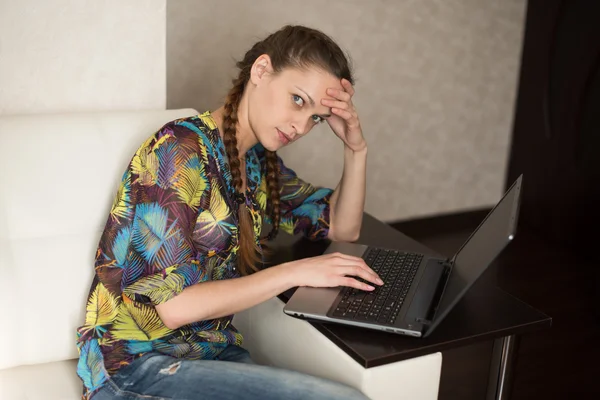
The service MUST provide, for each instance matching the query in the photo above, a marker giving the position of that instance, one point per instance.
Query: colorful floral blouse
(172, 224)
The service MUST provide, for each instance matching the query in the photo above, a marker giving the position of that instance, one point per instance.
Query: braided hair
(292, 46)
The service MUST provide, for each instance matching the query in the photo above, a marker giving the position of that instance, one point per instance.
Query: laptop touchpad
(313, 300)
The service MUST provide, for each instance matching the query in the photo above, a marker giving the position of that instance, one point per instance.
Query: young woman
(178, 257)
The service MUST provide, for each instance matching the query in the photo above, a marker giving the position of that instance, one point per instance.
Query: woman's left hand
(344, 119)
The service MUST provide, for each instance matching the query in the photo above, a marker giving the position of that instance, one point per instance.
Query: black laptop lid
(481, 249)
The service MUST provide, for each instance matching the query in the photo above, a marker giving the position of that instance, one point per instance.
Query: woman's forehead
(311, 76)
(313, 81)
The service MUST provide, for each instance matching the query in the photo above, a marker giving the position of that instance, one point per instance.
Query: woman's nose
(300, 128)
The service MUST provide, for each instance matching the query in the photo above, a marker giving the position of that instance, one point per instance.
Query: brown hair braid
(290, 47)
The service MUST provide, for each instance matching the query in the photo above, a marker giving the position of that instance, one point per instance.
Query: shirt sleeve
(146, 252)
(305, 209)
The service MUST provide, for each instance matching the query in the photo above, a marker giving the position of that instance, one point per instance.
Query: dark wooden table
(485, 313)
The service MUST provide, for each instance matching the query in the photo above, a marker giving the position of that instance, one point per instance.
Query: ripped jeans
(233, 375)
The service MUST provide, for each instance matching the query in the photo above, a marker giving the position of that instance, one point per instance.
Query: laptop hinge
(428, 320)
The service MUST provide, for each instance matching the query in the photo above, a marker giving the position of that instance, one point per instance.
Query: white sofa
(58, 175)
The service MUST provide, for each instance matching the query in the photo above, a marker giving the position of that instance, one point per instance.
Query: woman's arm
(348, 200)
(215, 299)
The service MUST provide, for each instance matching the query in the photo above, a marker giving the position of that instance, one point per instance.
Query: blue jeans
(233, 375)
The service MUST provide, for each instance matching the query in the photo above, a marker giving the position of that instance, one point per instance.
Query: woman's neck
(246, 139)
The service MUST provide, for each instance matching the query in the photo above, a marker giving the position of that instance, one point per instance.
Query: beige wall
(436, 84)
(82, 55)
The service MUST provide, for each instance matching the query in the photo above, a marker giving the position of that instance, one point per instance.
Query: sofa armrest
(273, 338)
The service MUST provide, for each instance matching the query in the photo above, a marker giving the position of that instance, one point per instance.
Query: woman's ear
(261, 68)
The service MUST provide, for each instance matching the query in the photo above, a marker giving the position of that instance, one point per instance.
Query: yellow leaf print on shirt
(138, 321)
(145, 165)
(208, 120)
(261, 195)
(161, 140)
(121, 206)
(191, 182)
(212, 224)
(287, 225)
(102, 307)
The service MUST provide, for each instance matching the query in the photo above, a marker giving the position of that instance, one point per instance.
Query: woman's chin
(272, 145)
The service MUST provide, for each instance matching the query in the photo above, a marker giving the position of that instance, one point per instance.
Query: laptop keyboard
(382, 305)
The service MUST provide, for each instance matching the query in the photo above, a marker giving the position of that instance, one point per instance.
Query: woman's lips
(283, 137)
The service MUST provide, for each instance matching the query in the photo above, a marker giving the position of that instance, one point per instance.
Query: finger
(350, 265)
(345, 260)
(339, 94)
(362, 273)
(351, 260)
(358, 261)
(348, 87)
(344, 114)
(353, 283)
(379, 281)
(335, 103)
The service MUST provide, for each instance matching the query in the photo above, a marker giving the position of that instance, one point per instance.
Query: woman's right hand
(331, 270)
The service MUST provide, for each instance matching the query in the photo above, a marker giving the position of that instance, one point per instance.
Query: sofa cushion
(49, 381)
(59, 175)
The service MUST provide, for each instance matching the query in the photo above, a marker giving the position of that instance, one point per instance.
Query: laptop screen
(481, 249)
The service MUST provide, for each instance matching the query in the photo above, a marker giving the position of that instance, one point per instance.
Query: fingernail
(370, 287)
(379, 281)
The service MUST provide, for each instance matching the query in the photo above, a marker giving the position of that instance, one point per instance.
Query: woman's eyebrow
(310, 99)
(312, 102)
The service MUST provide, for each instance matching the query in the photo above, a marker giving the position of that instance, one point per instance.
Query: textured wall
(436, 84)
(82, 55)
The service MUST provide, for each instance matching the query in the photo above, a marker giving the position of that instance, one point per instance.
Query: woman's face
(284, 107)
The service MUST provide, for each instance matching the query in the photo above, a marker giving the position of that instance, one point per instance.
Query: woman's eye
(298, 100)
(317, 119)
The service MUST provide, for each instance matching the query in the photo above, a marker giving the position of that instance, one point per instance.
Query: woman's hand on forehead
(344, 121)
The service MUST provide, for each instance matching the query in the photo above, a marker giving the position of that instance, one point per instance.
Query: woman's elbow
(168, 317)
(353, 237)
(336, 236)
(179, 312)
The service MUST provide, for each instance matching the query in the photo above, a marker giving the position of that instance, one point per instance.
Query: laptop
(419, 289)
